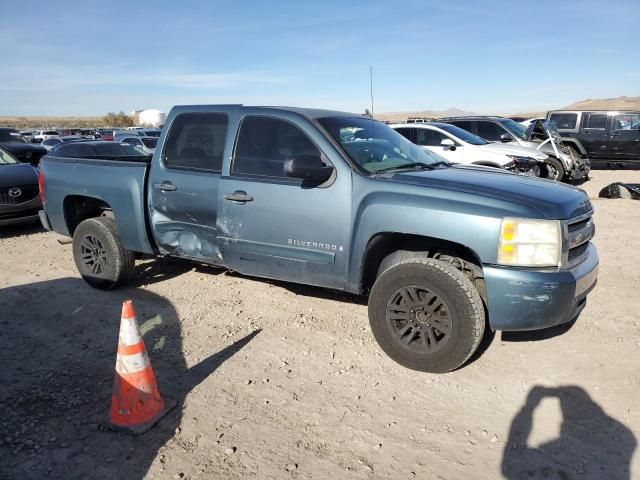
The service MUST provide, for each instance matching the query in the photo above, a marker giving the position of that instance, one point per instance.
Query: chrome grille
(579, 231)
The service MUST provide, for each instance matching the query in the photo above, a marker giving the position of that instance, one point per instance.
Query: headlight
(518, 160)
(529, 243)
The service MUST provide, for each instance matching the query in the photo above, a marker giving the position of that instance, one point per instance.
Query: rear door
(594, 134)
(183, 186)
(625, 135)
(276, 227)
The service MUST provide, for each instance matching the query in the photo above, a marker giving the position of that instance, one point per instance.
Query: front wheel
(100, 257)
(553, 169)
(426, 315)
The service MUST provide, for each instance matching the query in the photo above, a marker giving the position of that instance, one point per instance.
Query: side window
(196, 141)
(464, 124)
(564, 120)
(429, 138)
(265, 144)
(408, 133)
(131, 141)
(596, 120)
(490, 131)
(626, 121)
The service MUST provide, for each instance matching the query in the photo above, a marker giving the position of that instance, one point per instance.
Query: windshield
(515, 128)
(150, 142)
(6, 159)
(463, 135)
(376, 146)
(11, 136)
(152, 133)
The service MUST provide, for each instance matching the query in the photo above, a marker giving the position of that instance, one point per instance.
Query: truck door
(625, 135)
(183, 186)
(594, 134)
(276, 227)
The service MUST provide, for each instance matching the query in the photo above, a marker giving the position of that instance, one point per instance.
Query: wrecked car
(341, 201)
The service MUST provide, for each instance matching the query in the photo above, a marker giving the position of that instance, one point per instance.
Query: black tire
(554, 169)
(407, 340)
(101, 259)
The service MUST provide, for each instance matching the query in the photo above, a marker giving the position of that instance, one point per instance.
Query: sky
(89, 58)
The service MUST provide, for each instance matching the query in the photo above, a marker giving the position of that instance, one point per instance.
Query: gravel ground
(277, 380)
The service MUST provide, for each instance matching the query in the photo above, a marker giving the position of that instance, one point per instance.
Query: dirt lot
(283, 381)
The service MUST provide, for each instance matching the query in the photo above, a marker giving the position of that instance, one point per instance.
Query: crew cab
(341, 201)
(612, 135)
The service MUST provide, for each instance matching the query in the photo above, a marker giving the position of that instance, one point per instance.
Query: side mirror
(308, 167)
(447, 143)
(506, 138)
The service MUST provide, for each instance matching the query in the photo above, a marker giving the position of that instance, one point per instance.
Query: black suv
(612, 135)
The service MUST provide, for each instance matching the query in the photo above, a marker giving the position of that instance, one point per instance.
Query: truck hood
(513, 150)
(552, 199)
(19, 174)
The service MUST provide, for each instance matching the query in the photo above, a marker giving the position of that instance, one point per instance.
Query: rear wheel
(101, 259)
(554, 169)
(426, 315)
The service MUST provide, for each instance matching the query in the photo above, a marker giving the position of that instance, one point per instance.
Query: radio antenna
(371, 88)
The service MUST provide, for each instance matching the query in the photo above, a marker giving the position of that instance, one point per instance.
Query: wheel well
(573, 143)
(78, 208)
(383, 244)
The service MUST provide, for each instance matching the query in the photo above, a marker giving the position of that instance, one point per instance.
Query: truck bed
(119, 183)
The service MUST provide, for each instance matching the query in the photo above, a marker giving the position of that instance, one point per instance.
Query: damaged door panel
(183, 187)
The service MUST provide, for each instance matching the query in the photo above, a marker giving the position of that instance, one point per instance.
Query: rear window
(106, 150)
(196, 141)
(564, 120)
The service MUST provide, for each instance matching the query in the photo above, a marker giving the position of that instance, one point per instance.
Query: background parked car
(98, 149)
(42, 135)
(52, 142)
(459, 146)
(561, 166)
(146, 144)
(18, 147)
(19, 196)
(611, 135)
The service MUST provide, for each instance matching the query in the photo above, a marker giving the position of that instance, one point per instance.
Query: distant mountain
(618, 103)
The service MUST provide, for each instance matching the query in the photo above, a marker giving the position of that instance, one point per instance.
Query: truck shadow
(591, 444)
(57, 350)
(10, 231)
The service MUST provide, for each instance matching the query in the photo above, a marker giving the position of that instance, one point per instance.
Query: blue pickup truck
(342, 201)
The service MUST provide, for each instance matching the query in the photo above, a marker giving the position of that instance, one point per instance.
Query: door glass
(429, 138)
(490, 131)
(626, 121)
(196, 142)
(265, 144)
(564, 120)
(596, 120)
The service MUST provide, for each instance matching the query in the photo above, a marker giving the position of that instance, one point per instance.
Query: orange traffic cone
(136, 404)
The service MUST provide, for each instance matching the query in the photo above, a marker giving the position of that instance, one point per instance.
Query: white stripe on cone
(135, 363)
(129, 333)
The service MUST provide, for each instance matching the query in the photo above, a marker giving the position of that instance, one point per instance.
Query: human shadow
(57, 352)
(591, 443)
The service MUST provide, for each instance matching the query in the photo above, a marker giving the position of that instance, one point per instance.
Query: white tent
(151, 117)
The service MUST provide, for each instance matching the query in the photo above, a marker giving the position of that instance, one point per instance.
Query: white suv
(42, 135)
(459, 146)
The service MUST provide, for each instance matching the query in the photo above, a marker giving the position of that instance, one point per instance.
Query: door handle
(165, 186)
(238, 196)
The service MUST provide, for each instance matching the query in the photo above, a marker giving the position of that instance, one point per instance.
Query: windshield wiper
(408, 166)
(441, 162)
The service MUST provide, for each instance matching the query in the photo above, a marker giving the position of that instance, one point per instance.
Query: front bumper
(26, 212)
(526, 299)
(582, 167)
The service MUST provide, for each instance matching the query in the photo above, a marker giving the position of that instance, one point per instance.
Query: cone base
(169, 404)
